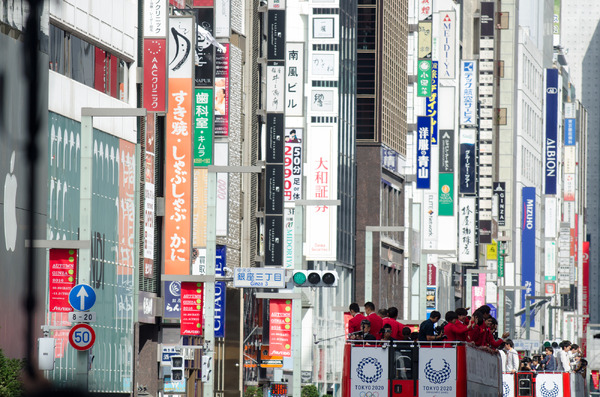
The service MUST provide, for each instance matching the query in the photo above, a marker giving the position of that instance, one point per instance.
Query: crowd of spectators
(479, 329)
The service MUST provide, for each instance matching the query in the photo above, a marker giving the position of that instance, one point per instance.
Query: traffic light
(315, 278)
(176, 368)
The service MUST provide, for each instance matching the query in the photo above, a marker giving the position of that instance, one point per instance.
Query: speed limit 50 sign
(82, 337)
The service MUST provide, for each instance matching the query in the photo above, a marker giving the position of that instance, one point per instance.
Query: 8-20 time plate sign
(82, 337)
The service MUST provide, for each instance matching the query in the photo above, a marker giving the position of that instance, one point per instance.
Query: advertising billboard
(551, 148)
(528, 245)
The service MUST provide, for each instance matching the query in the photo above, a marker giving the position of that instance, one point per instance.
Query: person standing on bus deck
(462, 315)
(512, 357)
(373, 317)
(393, 322)
(492, 324)
(427, 327)
(366, 331)
(455, 330)
(354, 326)
(549, 362)
(564, 365)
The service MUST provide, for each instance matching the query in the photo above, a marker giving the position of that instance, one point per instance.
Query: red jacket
(354, 323)
(456, 331)
(396, 327)
(376, 325)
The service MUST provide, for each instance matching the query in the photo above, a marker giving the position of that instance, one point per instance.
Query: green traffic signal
(299, 278)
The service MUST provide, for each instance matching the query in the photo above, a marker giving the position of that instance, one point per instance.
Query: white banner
(425, 9)
(149, 221)
(430, 220)
(369, 372)
(549, 385)
(155, 18)
(447, 45)
(468, 93)
(321, 181)
(508, 385)
(222, 158)
(288, 230)
(550, 260)
(275, 88)
(466, 230)
(437, 372)
(570, 159)
(222, 18)
(181, 52)
(294, 76)
(550, 217)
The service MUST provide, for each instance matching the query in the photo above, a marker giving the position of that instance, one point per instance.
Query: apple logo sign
(10, 207)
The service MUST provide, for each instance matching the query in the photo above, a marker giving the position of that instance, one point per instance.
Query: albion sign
(550, 160)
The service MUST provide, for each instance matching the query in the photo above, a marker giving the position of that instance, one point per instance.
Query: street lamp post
(211, 248)
(297, 303)
(528, 299)
(369, 255)
(501, 300)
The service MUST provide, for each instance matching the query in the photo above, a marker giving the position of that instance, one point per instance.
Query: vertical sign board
(276, 34)
(321, 182)
(437, 372)
(222, 159)
(178, 149)
(274, 189)
(294, 79)
(585, 291)
(499, 190)
(192, 300)
(275, 86)
(478, 292)
(200, 207)
(273, 240)
(425, 38)
(288, 222)
(220, 291)
(155, 72)
(466, 230)
(423, 152)
(172, 298)
(446, 153)
(222, 91)
(468, 104)
(292, 188)
(556, 24)
(424, 78)
(222, 18)
(149, 199)
(205, 51)
(487, 19)
(551, 131)
(280, 327)
(62, 272)
(368, 374)
(446, 195)
(430, 221)
(155, 18)
(431, 103)
(275, 138)
(467, 161)
(570, 134)
(203, 126)
(447, 45)
(425, 9)
(528, 246)
(550, 260)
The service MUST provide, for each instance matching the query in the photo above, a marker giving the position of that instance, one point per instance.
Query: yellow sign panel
(492, 251)
(425, 40)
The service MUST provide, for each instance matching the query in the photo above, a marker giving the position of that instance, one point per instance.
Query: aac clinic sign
(550, 159)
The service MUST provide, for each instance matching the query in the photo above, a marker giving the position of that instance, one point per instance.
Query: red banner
(192, 296)
(155, 74)
(431, 275)
(63, 267)
(280, 328)
(585, 293)
(596, 379)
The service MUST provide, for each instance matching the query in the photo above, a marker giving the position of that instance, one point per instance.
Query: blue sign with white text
(82, 297)
(570, 132)
(550, 156)
(220, 291)
(528, 247)
(172, 294)
(431, 105)
(423, 152)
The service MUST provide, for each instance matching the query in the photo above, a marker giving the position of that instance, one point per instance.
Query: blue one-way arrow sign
(82, 297)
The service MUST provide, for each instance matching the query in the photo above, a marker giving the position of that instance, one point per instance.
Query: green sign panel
(424, 78)
(500, 260)
(446, 195)
(203, 127)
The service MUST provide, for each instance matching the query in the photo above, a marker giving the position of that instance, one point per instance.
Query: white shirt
(563, 359)
(512, 360)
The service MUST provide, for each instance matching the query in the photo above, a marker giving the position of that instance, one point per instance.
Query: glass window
(82, 58)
